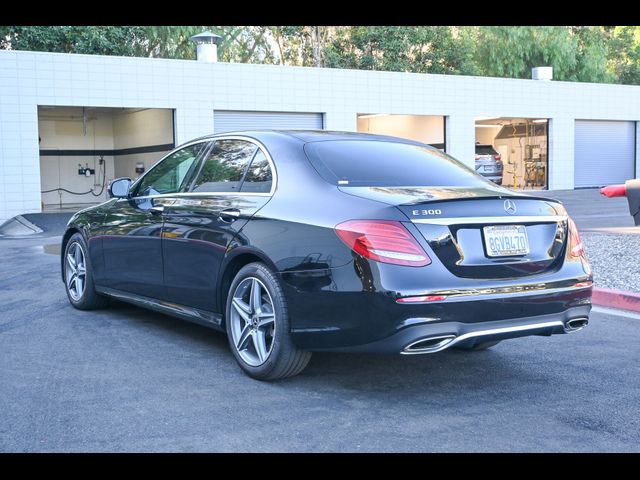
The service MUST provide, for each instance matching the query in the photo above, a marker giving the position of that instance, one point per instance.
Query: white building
(62, 113)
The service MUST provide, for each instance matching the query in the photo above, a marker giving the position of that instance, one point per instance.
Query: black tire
(480, 346)
(89, 299)
(283, 359)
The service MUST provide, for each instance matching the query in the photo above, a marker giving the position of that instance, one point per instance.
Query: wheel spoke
(245, 334)
(78, 255)
(71, 262)
(242, 308)
(256, 297)
(266, 319)
(260, 344)
(79, 286)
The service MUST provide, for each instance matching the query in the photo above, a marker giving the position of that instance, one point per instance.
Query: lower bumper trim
(434, 337)
(505, 332)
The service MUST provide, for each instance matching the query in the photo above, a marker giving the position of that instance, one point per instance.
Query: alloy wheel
(252, 321)
(75, 271)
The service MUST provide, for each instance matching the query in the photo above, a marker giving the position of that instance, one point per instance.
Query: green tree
(575, 53)
(72, 39)
(624, 54)
(437, 49)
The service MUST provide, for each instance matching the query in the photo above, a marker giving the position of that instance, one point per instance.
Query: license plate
(506, 240)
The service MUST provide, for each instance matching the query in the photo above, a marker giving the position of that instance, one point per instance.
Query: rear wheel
(78, 276)
(480, 346)
(257, 323)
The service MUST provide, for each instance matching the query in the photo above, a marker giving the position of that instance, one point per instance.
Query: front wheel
(78, 276)
(258, 328)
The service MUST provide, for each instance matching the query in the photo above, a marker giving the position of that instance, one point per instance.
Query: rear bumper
(337, 310)
(422, 339)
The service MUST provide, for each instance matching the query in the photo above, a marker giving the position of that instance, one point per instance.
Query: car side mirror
(119, 188)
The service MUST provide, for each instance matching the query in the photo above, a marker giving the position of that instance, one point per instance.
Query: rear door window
(225, 166)
(259, 175)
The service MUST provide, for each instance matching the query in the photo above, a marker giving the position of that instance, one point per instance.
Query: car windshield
(485, 150)
(388, 164)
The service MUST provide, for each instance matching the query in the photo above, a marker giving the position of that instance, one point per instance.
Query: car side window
(225, 166)
(170, 174)
(259, 176)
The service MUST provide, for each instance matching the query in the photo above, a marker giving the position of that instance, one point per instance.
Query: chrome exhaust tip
(576, 324)
(428, 345)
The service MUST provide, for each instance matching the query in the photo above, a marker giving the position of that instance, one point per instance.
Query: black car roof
(308, 136)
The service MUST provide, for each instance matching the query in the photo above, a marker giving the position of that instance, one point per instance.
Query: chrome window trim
(515, 219)
(211, 141)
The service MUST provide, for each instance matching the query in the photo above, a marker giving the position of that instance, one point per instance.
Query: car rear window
(388, 164)
(485, 150)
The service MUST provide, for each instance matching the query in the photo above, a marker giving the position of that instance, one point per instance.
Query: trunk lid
(452, 221)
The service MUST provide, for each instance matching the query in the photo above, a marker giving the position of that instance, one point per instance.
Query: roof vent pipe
(542, 73)
(207, 46)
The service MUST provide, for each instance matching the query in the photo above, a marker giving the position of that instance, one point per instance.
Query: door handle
(229, 215)
(157, 210)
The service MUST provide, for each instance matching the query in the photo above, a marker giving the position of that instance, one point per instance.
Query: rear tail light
(498, 157)
(383, 241)
(477, 157)
(576, 248)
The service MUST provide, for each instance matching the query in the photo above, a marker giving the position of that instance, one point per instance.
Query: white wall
(60, 129)
(196, 89)
(423, 128)
(140, 128)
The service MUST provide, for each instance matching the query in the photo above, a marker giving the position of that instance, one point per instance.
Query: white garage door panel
(604, 152)
(234, 120)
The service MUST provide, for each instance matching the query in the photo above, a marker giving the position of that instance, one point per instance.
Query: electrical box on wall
(86, 172)
(139, 168)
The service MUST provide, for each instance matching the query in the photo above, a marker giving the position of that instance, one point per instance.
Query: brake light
(477, 157)
(498, 158)
(384, 241)
(576, 247)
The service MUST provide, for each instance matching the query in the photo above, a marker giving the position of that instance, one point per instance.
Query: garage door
(233, 120)
(605, 152)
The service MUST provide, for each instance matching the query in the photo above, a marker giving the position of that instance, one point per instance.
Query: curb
(617, 299)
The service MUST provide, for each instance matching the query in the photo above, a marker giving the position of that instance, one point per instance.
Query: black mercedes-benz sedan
(301, 241)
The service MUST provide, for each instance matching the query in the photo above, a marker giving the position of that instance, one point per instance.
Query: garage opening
(83, 148)
(605, 152)
(513, 151)
(428, 129)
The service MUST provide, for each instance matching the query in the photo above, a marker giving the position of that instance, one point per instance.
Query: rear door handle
(229, 215)
(157, 210)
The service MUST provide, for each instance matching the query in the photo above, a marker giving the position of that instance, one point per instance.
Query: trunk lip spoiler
(513, 219)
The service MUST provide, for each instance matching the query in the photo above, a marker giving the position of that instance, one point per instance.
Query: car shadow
(451, 372)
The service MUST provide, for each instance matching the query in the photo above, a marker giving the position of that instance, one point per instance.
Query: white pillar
(561, 153)
(461, 138)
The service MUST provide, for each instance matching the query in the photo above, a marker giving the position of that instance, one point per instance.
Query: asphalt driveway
(125, 379)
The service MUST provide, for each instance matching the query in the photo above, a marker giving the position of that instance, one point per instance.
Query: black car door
(234, 182)
(132, 236)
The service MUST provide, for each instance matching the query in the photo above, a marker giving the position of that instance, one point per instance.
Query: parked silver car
(489, 163)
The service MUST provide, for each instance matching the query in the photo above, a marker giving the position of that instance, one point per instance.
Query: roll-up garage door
(604, 153)
(234, 120)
